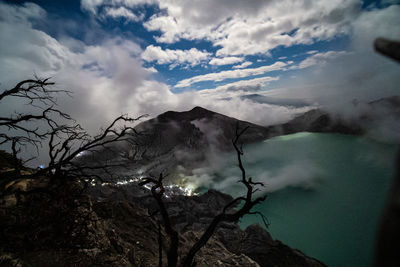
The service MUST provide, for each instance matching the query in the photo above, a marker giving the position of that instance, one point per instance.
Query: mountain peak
(198, 108)
(198, 112)
(193, 114)
(196, 129)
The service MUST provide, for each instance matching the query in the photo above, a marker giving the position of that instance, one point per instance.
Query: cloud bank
(113, 76)
(247, 28)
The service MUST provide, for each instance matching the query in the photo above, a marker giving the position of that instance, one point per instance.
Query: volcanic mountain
(186, 138)
(197, 129)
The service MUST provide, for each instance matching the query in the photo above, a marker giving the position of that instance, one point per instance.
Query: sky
(261, 61)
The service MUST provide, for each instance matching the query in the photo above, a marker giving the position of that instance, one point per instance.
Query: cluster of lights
(92, 181)
(182, 190)
(125, 182)
(170, 190)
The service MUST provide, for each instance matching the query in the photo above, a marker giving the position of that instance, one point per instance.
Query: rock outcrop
(192, 214)
(58, 225)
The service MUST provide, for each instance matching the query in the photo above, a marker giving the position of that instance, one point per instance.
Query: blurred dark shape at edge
(388, 48)
(388, 236)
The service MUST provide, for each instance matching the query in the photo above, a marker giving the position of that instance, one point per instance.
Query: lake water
(325, 191)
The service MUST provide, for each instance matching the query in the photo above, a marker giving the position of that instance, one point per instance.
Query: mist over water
(325, 191)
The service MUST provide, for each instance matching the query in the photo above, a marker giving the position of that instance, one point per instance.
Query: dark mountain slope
(198, 128)
(361, 118)
(317, 121)
(184, 138)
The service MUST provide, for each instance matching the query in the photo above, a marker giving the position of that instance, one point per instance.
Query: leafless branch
(23, 129)
(226, 215)
(157, 190)
(65, 139)
(249, 203)
(33, 90)
(66, 143)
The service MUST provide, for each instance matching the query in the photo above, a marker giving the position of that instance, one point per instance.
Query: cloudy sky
(256, 60)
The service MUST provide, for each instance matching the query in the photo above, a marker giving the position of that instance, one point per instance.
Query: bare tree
(66, 143)
(37, 94)
(228, 214)
(21, 130)
(157, 190)
(45, 124)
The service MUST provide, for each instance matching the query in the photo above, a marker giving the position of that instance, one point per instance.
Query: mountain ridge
(187, 138)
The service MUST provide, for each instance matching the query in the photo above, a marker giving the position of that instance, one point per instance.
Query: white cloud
(191, 56)
(121, 12)
(236, 89)
(376, 23)
(106, 78)
(21, 14)
(360, 74)
(246, 28)
(168, 26)
(245, 109)
(93, 5)
(239, 28)
(114, 8)
(31, 50)
(231, 74)
(243, 65)
(152, 69)
(319, 59)
(225, 60)
(312, 52)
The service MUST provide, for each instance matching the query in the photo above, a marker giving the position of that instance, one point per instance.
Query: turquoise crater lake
(325, 192)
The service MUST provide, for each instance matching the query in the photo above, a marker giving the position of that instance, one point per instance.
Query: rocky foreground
(50, 224)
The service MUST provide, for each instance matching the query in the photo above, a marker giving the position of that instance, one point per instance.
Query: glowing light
(125, 182)
(170, 190)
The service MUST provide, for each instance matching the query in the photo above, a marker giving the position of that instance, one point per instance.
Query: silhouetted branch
(32, 89)
(22, 129)
(249, 203)
(158, 190)
(65, 139)
(66, 143)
